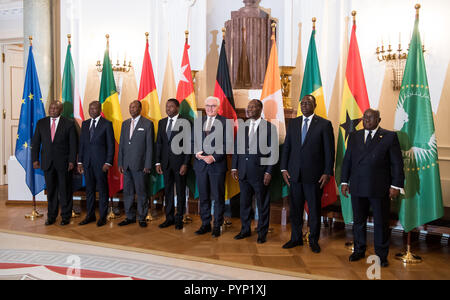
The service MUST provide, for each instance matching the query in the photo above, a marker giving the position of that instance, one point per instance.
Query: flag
(185, 89)
(169, 89)
(224, 91)
(31, 111)
(150, 109)
(188, 106)
(109, 98)
(274, 112)
(312, 85)
(73, 107)
(422, 202)
(355, 102)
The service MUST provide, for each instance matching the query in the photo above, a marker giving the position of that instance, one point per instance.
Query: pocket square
(141, 129)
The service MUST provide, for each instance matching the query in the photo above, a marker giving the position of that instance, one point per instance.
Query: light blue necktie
(304, 130)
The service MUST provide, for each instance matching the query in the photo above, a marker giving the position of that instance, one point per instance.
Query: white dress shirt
(56, 122)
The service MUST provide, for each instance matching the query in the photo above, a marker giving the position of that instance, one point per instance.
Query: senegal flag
(109, 98)
(312, 85)
(354, 103)
(150, 109)
(422, 202)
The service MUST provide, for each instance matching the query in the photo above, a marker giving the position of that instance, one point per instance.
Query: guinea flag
(355, 102)
(312, 85)
(150, 109)
(224, 92)
(109, 98)
(185, 90)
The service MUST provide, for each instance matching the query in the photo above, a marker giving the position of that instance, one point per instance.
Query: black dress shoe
(315, 247)
(384, 262)
(204, 229)
(166, 224)
(126, 222)
(356, 256)
(49, 222)
(101, 222)
(292, 244)
(86, 221)
(179, 225)
(216, 232)
(143, 224)
(261, 239)
(65, 222)
(242, 235)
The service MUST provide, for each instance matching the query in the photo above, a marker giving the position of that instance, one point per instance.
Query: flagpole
(409, 257)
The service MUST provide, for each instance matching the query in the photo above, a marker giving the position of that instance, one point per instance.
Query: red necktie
(53, 129)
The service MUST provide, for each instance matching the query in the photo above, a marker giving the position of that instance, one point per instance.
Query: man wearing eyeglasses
(210, 166)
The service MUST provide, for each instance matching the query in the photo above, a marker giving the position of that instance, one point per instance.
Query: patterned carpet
(32, 257)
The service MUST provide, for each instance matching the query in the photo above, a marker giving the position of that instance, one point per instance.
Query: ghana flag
(355, 102)
(312, 85)
(109, 98)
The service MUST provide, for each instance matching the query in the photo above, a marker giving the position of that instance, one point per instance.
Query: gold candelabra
(118, 67)
(286, 80)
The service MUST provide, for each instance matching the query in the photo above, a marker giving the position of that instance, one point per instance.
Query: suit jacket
(164, 153)
(136, 153)
(60, 152)
(249, 165)
(371, 170)
(308, 162)
(101, 149)
(220, 164)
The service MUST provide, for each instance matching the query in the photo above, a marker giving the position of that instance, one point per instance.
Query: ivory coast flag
(312, 85)
(150, 109)
(109, 98)
(185, 90)
(73, 107)
(274, 112)
(355, 102)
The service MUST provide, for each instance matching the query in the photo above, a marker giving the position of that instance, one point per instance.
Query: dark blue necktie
(304, 130)
(91, 130)
(369, 138)
(169, 129)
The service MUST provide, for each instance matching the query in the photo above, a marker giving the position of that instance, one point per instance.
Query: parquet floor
(331, 262)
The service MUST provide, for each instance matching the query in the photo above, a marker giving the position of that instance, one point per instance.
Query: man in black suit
(253, 173)
(55, 139)
(135, 163)
(372, 172)
(210, 166)
(173, 166)
(307, 165)
(95, 158)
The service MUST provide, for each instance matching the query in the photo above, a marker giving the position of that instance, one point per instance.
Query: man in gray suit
(135, 163)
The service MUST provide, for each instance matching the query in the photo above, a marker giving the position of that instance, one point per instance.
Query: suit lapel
(97, 128)
(373, 144)
(59, 129)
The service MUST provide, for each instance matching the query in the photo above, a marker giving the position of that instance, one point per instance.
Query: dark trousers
(381, 211)
(172, 176)
(312, 194)
(59, 193)
(211, 186)
(250, 188)
(135, 182)
(96, 179)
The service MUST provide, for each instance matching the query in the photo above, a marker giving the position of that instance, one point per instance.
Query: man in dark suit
(372, 172)
(307, 165)
(135, 163)
(173, 166)
(253, 173)
(55, 139)
(95, 158)
(210, 166)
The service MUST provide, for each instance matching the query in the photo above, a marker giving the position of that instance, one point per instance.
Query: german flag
(355, 102)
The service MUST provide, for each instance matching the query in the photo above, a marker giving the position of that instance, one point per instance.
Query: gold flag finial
(107, 40)
(314, 23)
(354, 17)
(417, 7)
(69, 36)
(31, 40)
(224, 30)
(186, 33)
(274, 28)
(146, 36)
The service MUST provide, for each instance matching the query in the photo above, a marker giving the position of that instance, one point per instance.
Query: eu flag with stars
(31, 111)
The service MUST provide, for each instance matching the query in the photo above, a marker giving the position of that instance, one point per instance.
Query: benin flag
(354, 103)
(224, 92)
(274, 112)
(312, 85)
(185, 90)
(109, 98)
(151, 110)
(73, 108)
